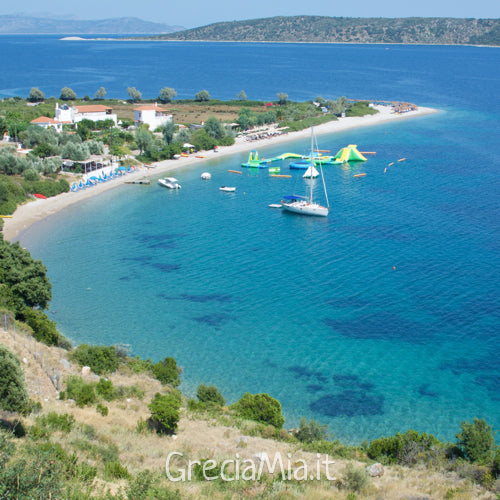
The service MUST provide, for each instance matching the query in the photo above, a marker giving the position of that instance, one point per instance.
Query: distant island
(124, 25)
(322, 29)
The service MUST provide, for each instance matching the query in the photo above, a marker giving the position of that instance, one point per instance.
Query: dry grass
(200, 439)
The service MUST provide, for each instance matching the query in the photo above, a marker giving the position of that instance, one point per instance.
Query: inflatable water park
(348, 154)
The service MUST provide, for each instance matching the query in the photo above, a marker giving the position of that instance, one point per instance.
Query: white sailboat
(305, 205)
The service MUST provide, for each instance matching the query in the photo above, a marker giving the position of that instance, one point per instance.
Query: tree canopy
(36, 95)
(134, 94)
(202, 95)
(67, 94)
(13, 392)
(101, 93)
(166, 94)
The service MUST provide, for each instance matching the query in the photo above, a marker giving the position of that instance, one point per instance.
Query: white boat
(228, 189)
(206, 176)
(305, 205)
(169, 182)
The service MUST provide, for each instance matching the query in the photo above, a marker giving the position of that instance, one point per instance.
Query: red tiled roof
(93, 108)
(150, 107)
(43, 119)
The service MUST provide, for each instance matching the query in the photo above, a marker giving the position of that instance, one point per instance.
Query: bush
(311, 430)
(477, 441)
(260, 408)
(355, 478)
(115, 470)
(13, 392)
(165, 411)
(167, 372)
(210, 394)
(57, 421)
(404, 449)
(44, 329)
(138, 365)
(83, 393)
(100, 359)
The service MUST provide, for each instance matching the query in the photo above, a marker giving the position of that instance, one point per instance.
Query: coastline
(34, 211)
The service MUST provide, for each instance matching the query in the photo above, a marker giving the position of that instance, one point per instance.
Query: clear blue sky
(191, 13)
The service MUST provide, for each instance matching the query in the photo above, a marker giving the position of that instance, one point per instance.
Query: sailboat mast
(312, 165)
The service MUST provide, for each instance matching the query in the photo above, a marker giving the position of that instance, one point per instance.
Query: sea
(382, 317)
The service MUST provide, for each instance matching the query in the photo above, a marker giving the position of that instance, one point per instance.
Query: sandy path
(36, 210)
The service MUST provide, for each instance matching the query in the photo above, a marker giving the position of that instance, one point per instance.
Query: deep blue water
(311, 311)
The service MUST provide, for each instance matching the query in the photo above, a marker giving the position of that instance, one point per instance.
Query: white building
(75, 114)
(152, 115)
(46, 122)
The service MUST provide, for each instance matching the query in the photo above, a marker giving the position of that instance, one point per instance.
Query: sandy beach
(36, 210)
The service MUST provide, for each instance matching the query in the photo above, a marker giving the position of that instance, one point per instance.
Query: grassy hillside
(322, 29)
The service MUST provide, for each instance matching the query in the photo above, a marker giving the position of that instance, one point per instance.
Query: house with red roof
(77, 113)
(151, 114)
(46, 122)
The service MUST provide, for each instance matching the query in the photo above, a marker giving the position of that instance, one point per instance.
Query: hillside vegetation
(322, 29)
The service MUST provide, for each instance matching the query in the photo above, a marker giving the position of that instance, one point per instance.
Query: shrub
(210, 394)
(100, 359)
(106, 389)
(404, 449)
(83, 393)
(311, 430)
(57, 421)
(13, 392)
(477, 441)
(138, 365)
(165, 411)
(115, 470)
(44, 329)
(260, 408)
(167, 372)
(103, 410)
(355, 478)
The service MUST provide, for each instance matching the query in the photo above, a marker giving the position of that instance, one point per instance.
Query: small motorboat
(169, 182)
(206, 176)
(228, 189)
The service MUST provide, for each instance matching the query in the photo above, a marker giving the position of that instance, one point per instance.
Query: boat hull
(305, 208)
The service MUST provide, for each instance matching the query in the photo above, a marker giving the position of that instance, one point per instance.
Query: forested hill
(21, 24)
(412, 30)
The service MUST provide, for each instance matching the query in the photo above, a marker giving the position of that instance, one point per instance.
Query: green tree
(202, 141)
(101, 93)
(134, 94)
(477, 441)
(25, 277)
(242, 96)
(311, 431)
(165, 411)
(143, 138)
(282, 97)
(169, 130)
(210, 394)
(67, 94)
(167, 371)
(214, 128)
(36, 95)
(260, 408)
(13, 392)
(100, 359)
(203, 95)
(166, 94)
(183, 136)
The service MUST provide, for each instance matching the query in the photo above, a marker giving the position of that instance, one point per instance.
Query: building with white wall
(75, 114)
(151, 114)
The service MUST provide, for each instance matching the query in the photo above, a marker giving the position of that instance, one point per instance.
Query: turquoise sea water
(311, 311)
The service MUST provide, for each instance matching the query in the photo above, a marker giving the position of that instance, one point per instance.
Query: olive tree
(242, 96)
(202, 95)
(282, 97)
(67, 94)
(101, 93)
(134, 94)
(36, 95)
(166, 94)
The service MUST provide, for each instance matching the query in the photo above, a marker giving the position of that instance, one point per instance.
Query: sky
(193, 13)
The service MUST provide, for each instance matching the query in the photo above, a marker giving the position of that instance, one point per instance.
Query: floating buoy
(402, 159)
(234, 171)
(394, 268)
(359, 175)
(385, 170)
(391, 164)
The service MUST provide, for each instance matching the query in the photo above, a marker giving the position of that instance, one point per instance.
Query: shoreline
(34, 211)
